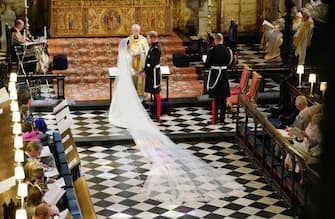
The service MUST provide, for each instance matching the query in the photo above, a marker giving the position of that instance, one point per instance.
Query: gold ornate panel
(244, 12)
(84, 18)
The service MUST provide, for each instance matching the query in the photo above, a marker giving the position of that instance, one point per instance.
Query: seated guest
(44, 211)
(35, 173)
(28, 132)
(281, 121)
(310, 144)
(33, 149)
(301, 120)
(17, 37)
(34, 198)
(304, 116)
(25, 102)
(36, 207)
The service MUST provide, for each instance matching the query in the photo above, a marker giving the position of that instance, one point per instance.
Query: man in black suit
(152, 71)
(218, 60)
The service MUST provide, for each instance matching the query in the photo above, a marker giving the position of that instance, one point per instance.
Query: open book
(297, 132)
(7, 184)
(60, 182)
(284, 133)
(51, 172)
(4, 96)
(54, 193)
(267, 24)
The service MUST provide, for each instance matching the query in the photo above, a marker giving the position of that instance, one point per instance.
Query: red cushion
(233, 99)
(235, 90)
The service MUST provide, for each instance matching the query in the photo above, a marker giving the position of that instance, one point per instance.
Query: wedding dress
(176, 176)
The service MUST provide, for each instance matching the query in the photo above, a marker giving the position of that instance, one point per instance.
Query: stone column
(8, 16)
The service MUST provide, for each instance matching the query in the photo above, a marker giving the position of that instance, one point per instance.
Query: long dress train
(176, 175)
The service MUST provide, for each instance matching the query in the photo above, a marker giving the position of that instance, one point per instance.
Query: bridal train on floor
(176, 175)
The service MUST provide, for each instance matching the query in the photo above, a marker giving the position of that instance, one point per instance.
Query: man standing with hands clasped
(138, 48)
(218, 60)
(153, 76)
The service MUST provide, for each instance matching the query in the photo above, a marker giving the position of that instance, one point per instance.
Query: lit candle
(11, 86)
(14, 106)
(21, 214)
(19, 173)
(16, 116)
(19, 156)
(45, 32)
(22, 190)
(323, 86)
(13, 77)
(17, 129)
(312, 80)
(18, 141)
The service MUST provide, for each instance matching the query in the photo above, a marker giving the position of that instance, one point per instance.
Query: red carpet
(89, 60)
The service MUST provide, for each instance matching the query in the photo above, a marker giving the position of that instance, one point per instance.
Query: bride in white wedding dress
(176, 175)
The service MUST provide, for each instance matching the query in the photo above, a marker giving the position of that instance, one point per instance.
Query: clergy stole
(138, 46)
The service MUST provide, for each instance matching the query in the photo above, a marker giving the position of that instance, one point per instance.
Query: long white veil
(176, 175)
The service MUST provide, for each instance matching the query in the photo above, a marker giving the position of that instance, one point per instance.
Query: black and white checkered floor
(183, 120)
(115, 175)
(253, 55)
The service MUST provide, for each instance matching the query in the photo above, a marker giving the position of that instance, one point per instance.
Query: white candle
(323, 86)
(45, 32)
(24, 35)
(25, 3)
(312, 78)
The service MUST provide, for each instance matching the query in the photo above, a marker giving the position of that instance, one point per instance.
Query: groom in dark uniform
(152, 71)
(218, 60)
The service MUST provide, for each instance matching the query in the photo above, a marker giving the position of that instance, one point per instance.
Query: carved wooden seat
(251, 95)
(241, 88)
(85, 203)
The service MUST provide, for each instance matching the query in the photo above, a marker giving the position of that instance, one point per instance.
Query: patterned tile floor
(183, 120)
(253, 55)
(115, 175)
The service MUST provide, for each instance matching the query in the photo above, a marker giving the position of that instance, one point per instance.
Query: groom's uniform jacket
(152, 70)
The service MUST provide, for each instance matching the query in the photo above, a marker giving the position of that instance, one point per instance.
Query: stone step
(90, 58)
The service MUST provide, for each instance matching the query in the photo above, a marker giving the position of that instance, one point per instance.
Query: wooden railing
(268, 148)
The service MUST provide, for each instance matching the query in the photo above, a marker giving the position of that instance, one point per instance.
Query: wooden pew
(268, 148)
(84, 199)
